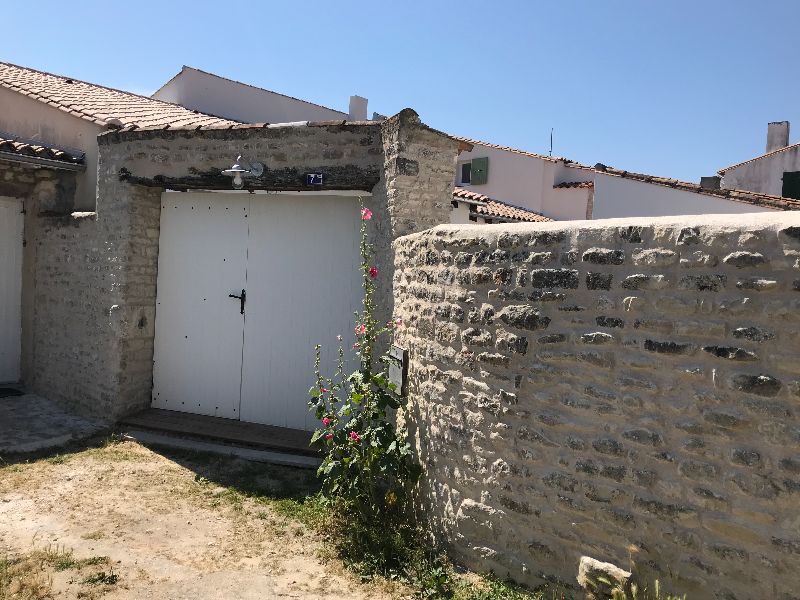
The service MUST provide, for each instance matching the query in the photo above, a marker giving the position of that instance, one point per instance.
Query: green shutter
(480, 170)
(791, 185)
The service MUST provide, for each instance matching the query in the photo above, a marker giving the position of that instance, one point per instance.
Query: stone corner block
(600, 579)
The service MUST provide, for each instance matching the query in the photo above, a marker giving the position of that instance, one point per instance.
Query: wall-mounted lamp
(240, 169)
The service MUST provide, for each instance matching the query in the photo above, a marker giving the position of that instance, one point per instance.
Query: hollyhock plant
(368, 469)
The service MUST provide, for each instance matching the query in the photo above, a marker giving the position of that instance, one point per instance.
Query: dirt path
(170, 525)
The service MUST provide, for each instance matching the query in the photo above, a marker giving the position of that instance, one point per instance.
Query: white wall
(514, 178)
(460, 214)
(36, 120)
(222, 97)
(566, 204)
(764, 175)
(619, 197)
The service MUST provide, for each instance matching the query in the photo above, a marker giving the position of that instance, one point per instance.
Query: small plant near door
(368, 471)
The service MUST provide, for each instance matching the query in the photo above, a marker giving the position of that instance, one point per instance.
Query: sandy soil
(169, 525)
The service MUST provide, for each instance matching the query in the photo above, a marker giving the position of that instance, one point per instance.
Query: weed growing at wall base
(368, 470)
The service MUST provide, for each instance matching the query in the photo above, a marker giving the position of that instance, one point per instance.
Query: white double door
(296, 259)
(11, 232)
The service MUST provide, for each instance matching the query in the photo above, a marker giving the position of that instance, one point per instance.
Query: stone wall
(623, 389)
(95, 274)
(44, 193)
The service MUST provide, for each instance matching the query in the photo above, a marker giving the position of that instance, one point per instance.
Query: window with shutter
(480, 170)
(791, 185)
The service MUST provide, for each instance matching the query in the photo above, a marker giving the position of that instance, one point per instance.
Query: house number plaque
(398, 369)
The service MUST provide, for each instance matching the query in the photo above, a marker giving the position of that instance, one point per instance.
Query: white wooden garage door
(295, 257)
(11, 231)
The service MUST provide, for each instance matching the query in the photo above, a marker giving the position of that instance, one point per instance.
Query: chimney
(358, 109)
(710, 183)
(777, 135)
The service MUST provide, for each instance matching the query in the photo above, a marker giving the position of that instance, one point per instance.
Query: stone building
(145, 298)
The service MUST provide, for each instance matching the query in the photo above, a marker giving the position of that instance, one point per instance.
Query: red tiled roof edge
(573, 184)
(755, 198)
(12, 146)
(489, 207)
(34, 90)
(505, 148)
(765, 155)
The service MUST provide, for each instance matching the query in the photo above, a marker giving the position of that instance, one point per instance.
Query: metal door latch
(242, 299)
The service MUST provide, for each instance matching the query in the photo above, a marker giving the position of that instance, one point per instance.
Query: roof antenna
(551, 141)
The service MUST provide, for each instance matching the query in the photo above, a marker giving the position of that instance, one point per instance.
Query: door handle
(242, 299)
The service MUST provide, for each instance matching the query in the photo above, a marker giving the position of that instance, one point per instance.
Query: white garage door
(11, 231)
(294, 259)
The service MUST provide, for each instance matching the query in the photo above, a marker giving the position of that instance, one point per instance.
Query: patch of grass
(653, 592)
(95, 560)
(23, 579)
(493, 588)
(101, 578)
(310, 511)
(58, 557)
(65, 562)
(93, 535)
(58, 459)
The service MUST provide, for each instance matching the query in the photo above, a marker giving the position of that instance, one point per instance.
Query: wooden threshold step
(230, 431)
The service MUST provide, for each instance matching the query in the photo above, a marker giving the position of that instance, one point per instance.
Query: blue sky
(677, 88)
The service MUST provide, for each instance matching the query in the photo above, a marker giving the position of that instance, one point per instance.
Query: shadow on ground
(278, 482)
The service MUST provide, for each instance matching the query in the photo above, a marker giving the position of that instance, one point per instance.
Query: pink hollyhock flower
(326, 421)
(329, 436)
(324, 390)
(355, 437)
(361, 329)
(398, 323)
(373, 272)
(366, 214)
(339, 338)
(356, 346)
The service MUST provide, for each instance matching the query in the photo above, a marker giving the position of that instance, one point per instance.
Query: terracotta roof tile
(506, 148)
(489, 207)
(744, 162)
(756, 198)
(22, 148)
(97, 103)
(759, 199)
(573, 184)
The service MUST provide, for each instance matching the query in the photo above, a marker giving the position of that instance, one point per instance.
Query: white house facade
(209, 93)
(561, 189)
(775, 172)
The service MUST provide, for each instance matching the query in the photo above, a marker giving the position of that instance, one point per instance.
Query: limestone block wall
(624, 389)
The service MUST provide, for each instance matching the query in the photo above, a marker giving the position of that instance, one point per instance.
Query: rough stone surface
(31, 423)
(664, 419)
(599, 579)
